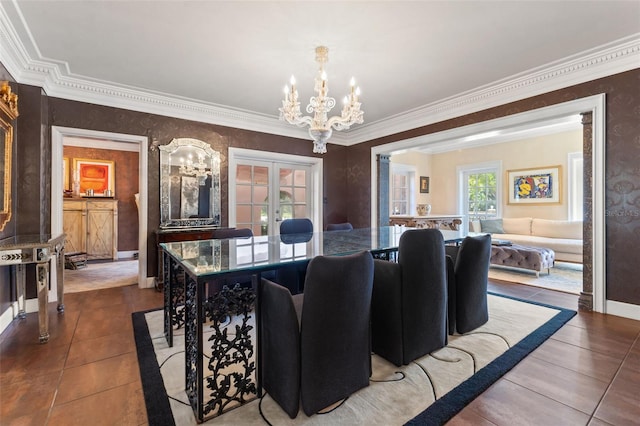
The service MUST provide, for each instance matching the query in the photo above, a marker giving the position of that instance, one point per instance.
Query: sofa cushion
(492, 226)
(559, 245)
(557, 228)
(517, 225)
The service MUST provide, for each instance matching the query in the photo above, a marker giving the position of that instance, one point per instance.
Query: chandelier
(189, 168)
(320, 127)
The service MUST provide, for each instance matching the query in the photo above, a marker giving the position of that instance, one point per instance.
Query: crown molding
(56, 80)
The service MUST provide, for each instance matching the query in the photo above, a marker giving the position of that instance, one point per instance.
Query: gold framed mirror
(8, 113)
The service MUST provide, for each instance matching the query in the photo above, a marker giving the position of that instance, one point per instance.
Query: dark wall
(127, 169)
(347, 169)
(163, 129)
(622, 170)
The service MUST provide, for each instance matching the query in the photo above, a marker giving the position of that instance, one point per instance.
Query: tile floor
(588, 373)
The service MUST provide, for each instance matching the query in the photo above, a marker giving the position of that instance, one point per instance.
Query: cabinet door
(73, 225)
(100, 232)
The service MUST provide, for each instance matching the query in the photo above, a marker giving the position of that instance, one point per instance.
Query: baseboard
(11, 312)
(621, 309)
(130, 254)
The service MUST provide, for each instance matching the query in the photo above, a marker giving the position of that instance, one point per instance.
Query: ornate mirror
(8, 113)
(189, 184)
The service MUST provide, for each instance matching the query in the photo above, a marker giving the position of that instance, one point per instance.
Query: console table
(20, 250)
(452, 222)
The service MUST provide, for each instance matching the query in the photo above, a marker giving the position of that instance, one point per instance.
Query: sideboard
(437, 221)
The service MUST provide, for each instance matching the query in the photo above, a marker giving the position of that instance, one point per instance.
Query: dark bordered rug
(429, 391)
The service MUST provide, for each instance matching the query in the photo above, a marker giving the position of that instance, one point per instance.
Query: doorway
(131, 142)
(266, 188)
(468, 136)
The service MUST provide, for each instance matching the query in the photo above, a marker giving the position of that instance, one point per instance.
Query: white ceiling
(226, 62)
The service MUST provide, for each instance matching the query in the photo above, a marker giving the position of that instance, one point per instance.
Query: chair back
(335, 314)
(471, 271)
(421, 257)
(296, 226)
(346, 226)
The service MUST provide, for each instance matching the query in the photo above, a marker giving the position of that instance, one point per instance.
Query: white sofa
(562, 236)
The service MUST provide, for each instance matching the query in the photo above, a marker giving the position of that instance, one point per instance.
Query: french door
(264, 193)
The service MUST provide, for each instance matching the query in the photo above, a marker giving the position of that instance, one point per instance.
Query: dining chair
(409, 303)
(316, 346)
(294, 231)
(346, 226)
(467, 283)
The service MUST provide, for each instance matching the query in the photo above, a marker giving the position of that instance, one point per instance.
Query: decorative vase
(423, 209)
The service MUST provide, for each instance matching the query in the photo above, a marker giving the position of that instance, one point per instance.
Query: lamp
(320, 127)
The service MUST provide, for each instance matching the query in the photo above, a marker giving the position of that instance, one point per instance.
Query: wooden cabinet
(91, 226)
(429, 221)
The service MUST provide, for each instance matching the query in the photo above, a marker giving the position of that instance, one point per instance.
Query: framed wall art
(95, 175)
(534, 186)
(424, 184)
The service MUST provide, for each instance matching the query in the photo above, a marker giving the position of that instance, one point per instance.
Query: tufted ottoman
(531, 258)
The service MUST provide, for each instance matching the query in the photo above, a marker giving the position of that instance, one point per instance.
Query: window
(480, 190)
(402, 189)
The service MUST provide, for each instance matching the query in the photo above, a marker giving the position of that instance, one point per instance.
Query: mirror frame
(8, 113)
(165, 185)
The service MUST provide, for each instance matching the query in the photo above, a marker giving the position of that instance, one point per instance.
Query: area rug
(429, 391)
(564, 276)
(101, 275)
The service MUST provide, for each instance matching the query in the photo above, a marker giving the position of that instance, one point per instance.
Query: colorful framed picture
(424, 184)
(97, 175)
(534, 186)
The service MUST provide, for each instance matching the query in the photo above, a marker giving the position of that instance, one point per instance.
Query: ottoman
(524, 257)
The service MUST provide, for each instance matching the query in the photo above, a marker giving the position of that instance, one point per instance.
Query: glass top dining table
(209, 258)
(192, 266)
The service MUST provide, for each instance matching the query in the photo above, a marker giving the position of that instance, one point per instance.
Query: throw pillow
(492, 226)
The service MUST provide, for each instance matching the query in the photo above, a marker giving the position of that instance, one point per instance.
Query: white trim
(595, 104)
(621, 309)
(575, 185)
(127, 254)
(27, 66)
(11, 313)
(316, 163)
(58, 136)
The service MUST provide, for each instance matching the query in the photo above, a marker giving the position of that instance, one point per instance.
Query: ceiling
(227, 62)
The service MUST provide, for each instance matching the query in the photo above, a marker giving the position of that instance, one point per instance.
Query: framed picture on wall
(424, 184)
(534, 186)
(97, 175)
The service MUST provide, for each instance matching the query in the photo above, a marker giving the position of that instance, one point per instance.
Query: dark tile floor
(587, 373)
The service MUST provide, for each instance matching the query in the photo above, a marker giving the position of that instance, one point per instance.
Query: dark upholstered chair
(409, 304)
(346, 226)
(296, 226)
(294, 231)
(468, 278)
(316, 346)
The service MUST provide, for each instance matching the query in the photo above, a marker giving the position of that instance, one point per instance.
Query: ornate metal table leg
(193, 345)
(42, 273)
(169, 308)
(20, 287)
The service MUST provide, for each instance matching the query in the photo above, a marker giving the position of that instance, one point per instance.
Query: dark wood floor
(587, 373)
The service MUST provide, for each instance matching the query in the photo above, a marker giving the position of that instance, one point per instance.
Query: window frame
(410, 173)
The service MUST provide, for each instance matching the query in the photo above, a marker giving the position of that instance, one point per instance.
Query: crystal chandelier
(189, 168)
(320, 127)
